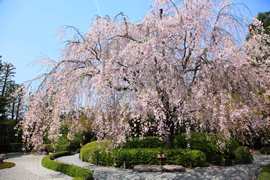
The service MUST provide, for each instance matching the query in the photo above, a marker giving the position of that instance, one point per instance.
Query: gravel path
(241, 172)
(28, 167)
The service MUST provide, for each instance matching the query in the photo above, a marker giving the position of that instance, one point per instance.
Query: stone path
(28, 167)
(239, 172)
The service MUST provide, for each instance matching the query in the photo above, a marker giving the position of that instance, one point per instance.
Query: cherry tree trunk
(170, 138)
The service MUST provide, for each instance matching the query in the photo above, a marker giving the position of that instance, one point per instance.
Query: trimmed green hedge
(264, 173)
(147, 142)
(115, 157)
(77, 172)
(132, 157)
(200, 142)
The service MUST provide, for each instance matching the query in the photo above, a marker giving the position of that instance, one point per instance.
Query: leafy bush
(63, 140)
(58, 148)
(147, 142)
(264, 173)
(77, 172)
(88, 150)
(263, 149)
(243, 155)
(74, 144)
(200, 142)
(137, 156)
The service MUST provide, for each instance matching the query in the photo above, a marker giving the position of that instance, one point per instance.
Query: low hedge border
(129, 158)
(264, 173)
(77, 172)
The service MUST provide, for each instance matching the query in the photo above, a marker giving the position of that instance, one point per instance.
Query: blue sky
(27, 26)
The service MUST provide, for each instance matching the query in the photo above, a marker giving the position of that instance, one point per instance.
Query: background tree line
(11, 110)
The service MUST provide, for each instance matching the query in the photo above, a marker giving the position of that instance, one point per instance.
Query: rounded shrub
(264, 173)
(243, 155)
(197, 141)
(146, 142)
(89, 149)
(207, 143)
(74, 144)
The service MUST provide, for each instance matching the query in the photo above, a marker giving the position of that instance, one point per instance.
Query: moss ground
(7, 165)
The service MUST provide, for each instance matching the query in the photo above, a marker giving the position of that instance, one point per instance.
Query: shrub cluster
(263, 149)
(147, 142)
(243, 155)
(264, 173)
(207, 143)
(77, 172)
(203, 148)
(58, 148)
(182, 157)
(88, 150)
(132, 157)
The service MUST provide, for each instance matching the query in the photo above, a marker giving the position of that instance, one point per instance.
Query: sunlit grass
(6, 165)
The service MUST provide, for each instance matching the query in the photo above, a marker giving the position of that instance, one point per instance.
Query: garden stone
(159, 168)
(3, 156)
(42, 150)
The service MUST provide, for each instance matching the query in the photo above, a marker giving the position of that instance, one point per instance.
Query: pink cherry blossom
(187, 64)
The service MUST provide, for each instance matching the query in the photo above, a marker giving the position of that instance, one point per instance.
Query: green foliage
(105, 155)
(197, 141)
(5, 165)
(77, 172)
(206, 143)
(267, 149)
(264, 173)
(132, 157)
(265, 19)
(63, 140)
(88, 150)
(243, 155)
(7, 132)
(147, 142)
(58, 148)
(74, 144)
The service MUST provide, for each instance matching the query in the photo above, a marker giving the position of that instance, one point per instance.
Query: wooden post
(160, 157)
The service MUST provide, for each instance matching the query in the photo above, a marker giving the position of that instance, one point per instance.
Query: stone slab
(159, 168)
